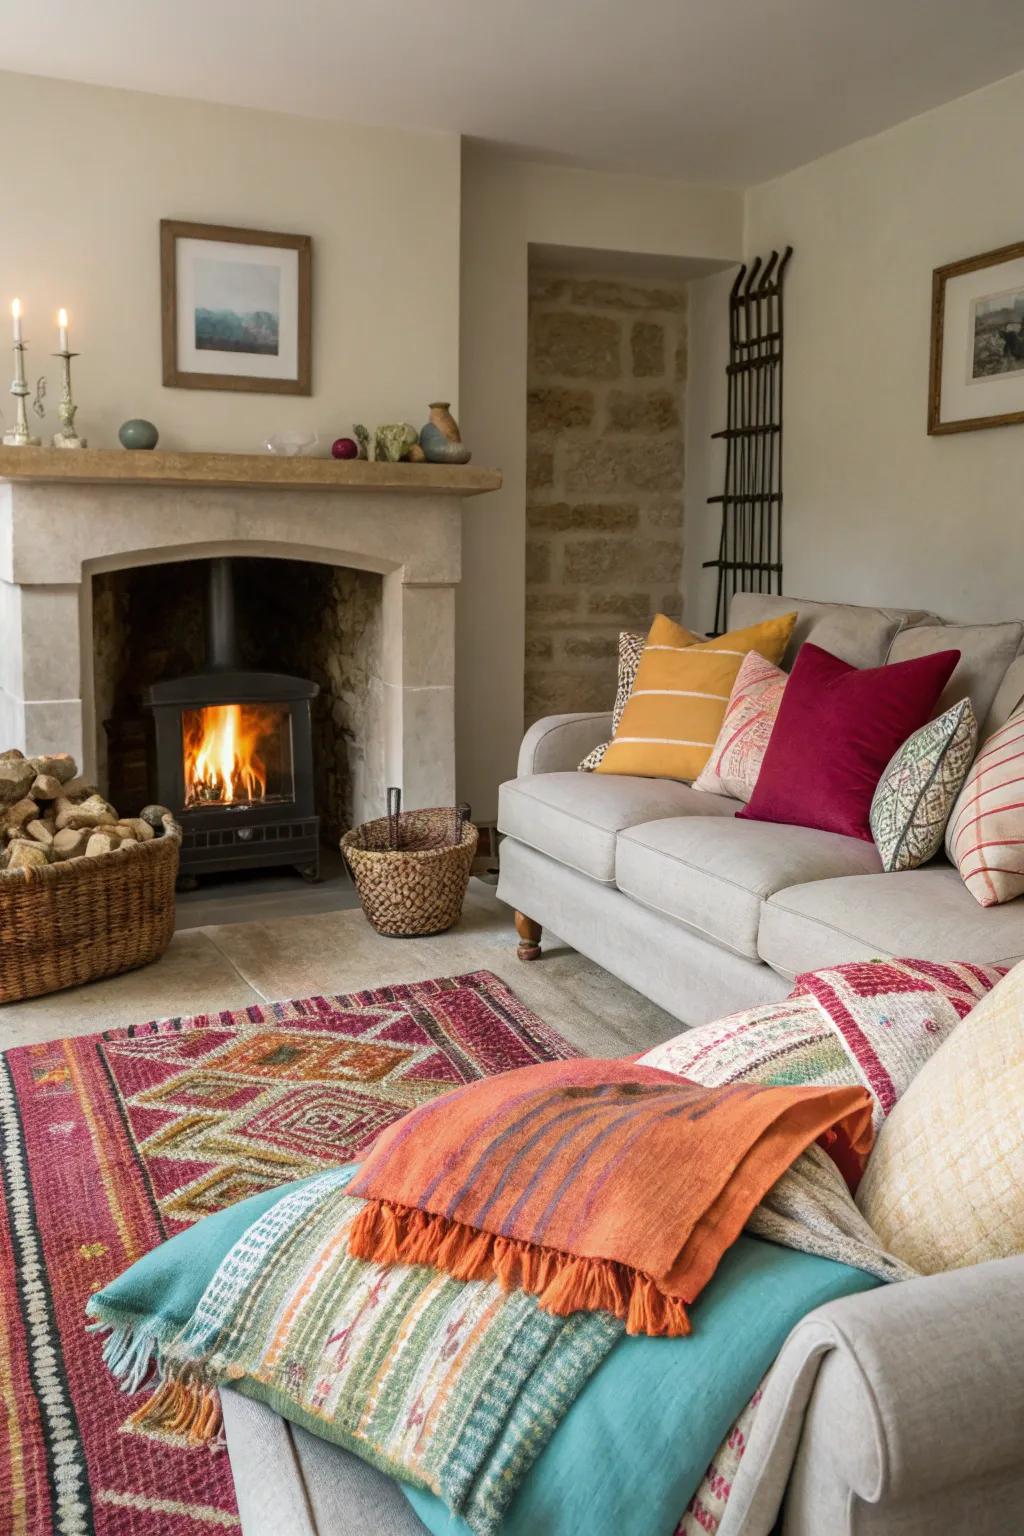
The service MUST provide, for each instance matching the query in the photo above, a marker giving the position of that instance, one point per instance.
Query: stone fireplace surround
(57, 532)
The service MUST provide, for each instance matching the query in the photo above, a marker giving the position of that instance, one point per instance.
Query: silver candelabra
(67, 437)
(19, 436)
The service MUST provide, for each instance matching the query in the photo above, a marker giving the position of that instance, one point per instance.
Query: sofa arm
(900, 1409)
(561, 742)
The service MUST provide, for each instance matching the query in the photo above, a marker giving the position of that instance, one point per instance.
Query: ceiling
(732, 91)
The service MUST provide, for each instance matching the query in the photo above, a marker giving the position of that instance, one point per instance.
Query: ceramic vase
(440, 439)
(442, 418)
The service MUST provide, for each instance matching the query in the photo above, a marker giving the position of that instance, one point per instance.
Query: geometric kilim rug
(110, 1143)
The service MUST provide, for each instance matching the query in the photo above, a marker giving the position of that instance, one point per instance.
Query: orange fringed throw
(592, 1184)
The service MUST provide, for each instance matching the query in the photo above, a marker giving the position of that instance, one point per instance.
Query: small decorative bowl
(290, 444)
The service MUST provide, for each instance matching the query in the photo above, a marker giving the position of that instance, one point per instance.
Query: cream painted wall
(89, 173)
(877, 511)
(507, 206)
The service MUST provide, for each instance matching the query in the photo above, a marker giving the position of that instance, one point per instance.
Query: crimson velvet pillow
(836, 730)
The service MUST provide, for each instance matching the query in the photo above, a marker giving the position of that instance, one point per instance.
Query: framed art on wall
(977, 354)
(236, 308)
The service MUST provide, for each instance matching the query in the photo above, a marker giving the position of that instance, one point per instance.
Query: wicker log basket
(411, 868)
(68, 923)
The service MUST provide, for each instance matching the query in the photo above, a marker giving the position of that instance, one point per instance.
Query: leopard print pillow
(631, 646)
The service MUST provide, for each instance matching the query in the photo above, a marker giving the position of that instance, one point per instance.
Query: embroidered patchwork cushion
(631, 646)
(874, 1022)
(985, 835)
(674, 713)
(736, 757)
(787, 1042)
(945, 1185)
(622, 1459)
(917, 791)
(893, 1015)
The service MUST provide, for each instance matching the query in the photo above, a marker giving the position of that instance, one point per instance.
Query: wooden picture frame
(978, 295)
(271, 339)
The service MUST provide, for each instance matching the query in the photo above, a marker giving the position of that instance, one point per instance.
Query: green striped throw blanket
(451, 1387)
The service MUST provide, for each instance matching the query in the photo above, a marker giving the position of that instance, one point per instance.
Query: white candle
(62, 323)
(16, 317)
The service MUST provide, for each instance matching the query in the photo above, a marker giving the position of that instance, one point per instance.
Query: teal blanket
(623, 1452)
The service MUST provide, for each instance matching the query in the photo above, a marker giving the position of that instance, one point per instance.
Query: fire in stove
(236, 754)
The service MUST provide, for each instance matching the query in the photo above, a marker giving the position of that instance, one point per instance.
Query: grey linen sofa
(705, 914)
(897, 1412)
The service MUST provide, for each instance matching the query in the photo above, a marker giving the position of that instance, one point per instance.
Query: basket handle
(394, 811)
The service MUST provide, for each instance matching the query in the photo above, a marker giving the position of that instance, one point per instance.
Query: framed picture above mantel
(236, 308)
(977, 352)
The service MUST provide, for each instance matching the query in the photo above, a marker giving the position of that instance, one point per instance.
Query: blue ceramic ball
(138, 434)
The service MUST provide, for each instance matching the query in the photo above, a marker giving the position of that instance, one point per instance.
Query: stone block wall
(606, 383)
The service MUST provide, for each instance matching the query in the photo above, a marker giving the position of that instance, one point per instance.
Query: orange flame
(222, 761)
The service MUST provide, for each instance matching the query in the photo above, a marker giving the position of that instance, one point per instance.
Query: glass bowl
(290, 444)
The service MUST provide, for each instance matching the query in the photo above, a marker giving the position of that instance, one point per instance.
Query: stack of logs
(48, 814)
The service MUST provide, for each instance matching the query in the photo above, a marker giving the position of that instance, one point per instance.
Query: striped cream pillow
(675, 710)
(985, 833)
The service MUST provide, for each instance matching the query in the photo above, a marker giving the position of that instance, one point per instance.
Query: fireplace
(234, 757)
(345, 575)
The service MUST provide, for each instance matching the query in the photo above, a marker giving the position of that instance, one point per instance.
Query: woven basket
(418, 887)
(68, 923)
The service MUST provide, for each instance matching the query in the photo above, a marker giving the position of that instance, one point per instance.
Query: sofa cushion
(986, 651)
(861, 636)
(985, 833)
(737, 755)
(924, 912)
(631, 648)
(837, 728)
(576, 817)
(945, 1185)
(674, 713)
(1009, 694)
(715, 875)
(918, 789)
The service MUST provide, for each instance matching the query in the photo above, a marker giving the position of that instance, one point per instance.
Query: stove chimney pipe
(221, 639)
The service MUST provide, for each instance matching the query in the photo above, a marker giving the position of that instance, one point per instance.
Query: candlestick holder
(67, 437)
(19, 435)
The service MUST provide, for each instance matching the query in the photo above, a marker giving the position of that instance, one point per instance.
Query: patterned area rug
(110, 1143)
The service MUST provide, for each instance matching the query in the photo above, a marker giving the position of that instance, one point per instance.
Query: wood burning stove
(234, 755)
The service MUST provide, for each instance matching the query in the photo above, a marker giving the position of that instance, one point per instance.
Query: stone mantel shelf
(242, 471)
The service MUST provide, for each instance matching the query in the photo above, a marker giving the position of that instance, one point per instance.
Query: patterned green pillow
(916, 793)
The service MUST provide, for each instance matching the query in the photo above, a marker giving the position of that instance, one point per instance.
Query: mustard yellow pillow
(678, 702)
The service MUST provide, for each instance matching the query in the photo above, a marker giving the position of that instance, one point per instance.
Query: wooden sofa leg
(529, 937)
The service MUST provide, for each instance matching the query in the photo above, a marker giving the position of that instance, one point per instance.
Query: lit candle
(62, 322)
(16, 317)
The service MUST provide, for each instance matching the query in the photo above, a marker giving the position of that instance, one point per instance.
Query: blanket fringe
(183, 1404)
(185, 1407)
(562, 1282)
(133, 1349)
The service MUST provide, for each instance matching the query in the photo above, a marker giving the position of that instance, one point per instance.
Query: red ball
(345, 448)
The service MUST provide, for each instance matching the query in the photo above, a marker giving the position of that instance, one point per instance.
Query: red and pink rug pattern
(110, 1143)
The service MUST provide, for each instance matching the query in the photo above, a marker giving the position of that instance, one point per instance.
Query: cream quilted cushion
(944, 1186)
